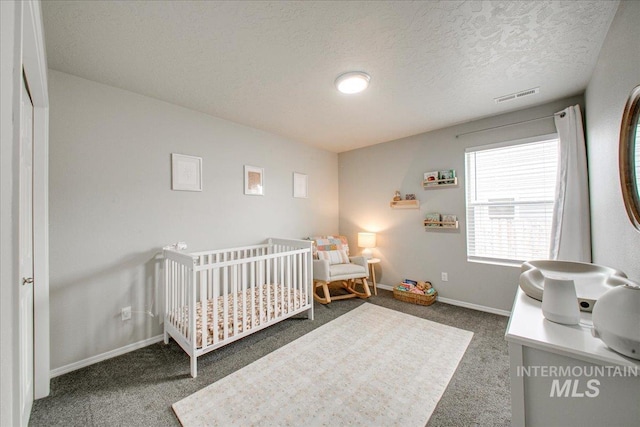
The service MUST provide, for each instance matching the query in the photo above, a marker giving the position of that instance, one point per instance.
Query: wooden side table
(372, 272)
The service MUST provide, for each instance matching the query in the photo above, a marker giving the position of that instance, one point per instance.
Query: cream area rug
(370, 367)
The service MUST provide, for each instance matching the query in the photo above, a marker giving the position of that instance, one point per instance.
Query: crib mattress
(293, 299)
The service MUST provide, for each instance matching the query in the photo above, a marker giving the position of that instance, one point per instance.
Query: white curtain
(571, 227)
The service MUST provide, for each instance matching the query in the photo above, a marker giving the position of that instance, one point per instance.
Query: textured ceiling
(271, 65)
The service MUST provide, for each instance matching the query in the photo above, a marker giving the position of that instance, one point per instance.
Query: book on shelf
(431, 178)
(446, 176)
(432, 220)
(449, 221)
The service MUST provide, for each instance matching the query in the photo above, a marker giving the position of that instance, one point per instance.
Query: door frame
(25, 52)
(22, 49)
(34, 64)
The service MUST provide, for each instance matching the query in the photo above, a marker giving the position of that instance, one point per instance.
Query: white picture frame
(253, 180)
(186, 172)
(300, 185)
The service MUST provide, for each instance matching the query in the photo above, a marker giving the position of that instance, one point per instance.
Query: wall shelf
(405, 204)
(440, 225)
(440, 183)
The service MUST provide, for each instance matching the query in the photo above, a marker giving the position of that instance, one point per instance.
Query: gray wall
(369, 177)
(112, 209)
(614, 240)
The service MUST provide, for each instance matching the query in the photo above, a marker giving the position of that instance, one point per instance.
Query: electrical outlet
(445, 277)
(126, 313)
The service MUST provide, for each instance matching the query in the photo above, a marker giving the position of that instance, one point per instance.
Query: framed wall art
(253, 180)
(186, 172)
(300, 185)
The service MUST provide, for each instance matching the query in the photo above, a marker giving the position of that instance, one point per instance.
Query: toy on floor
(422, 288)
(416, 287)
(416, 292)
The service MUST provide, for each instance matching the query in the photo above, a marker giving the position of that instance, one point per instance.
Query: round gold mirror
(630, 156)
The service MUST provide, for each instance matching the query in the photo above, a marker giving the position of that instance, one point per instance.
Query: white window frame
(469, 180)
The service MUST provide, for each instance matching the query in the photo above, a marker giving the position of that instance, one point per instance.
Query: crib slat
(169, 295)
(178, 314)
(216, 297)
(185, 297)
(192, 321)
(292, 283)
(183, 301)
(286, 282)
(260, 289)
(266, 283)
(300, 281)
(296, 285)
(284, 308)
(176, 292)
(282, 285)
(225, 303)
(275, 287)
(234, 281)
(291, 265)
(179, 296)
(204, 331)
(172, 266)
(252, 286)
(210, 278)
(243, 281)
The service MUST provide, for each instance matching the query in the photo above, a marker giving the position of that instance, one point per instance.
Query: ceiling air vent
(517, 95)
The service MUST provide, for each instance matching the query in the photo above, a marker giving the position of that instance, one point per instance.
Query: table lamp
(367, 241)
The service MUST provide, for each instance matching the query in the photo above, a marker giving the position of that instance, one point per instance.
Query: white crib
(245, 289)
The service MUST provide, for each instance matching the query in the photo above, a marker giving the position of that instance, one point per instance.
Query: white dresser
(562, 376)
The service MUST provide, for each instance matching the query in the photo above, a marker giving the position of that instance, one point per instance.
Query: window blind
(510, 190)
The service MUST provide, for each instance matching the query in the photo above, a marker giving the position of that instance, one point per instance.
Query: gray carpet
(138, 388)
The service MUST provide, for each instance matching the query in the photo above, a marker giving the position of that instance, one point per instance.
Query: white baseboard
(104, 356)
(140, 344)
(386, 287)
(475, 306)
(460, 303)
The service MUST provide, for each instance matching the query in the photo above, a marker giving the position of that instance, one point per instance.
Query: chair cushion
(347, 270)
(334, 257)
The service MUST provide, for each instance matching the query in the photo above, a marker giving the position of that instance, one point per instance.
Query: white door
(25, 324)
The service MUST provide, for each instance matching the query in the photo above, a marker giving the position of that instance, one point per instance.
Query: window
(510, 189)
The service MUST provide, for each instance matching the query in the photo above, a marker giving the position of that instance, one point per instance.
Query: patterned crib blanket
(271, 307)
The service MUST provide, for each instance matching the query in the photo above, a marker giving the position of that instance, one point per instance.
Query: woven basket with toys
(416, 292)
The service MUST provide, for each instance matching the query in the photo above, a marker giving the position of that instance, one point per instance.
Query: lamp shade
(367, 240)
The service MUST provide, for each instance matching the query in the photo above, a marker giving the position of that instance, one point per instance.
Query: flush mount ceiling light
(353, 82)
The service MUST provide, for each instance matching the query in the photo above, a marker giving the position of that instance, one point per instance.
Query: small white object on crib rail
(179, 246)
